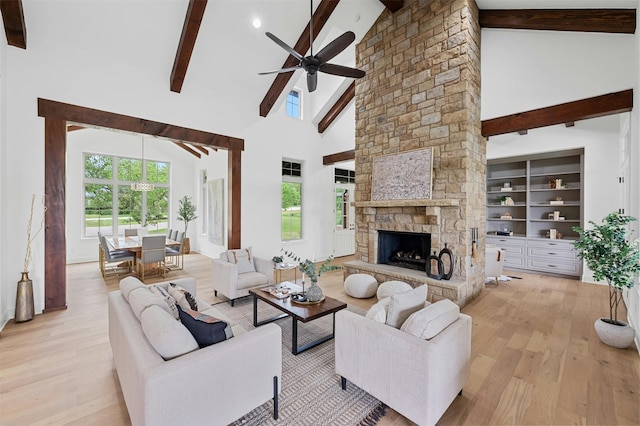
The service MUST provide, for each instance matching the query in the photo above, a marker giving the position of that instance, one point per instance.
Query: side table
(285, 267)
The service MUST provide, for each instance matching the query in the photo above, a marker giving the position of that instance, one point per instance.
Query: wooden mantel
(409, 203)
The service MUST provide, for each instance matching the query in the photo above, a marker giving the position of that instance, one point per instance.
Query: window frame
(115, 183)
(296, 176)
(299, 104)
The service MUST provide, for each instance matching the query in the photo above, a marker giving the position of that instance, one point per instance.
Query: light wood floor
(535, 357)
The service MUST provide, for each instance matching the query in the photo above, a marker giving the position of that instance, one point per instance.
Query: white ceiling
(229, 51)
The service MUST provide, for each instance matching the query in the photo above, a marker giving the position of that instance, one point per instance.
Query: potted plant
(612, 256)
(186, 213)
(308, 268)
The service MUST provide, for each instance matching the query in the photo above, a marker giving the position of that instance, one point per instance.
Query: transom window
(110, 203)
(344, 176)
(293, 104)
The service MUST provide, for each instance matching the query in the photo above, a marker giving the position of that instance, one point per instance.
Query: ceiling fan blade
(284, 46)
(280, 70)
(336, 46)
(341, 71)
(312, 81)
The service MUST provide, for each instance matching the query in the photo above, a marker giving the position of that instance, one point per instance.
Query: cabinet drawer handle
(552, 244)
(552, 253)
(552, 266)
(502, 241)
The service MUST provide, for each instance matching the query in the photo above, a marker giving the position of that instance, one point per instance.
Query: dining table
(133, 244)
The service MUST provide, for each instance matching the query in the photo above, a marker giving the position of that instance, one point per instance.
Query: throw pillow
(170, 301)
(243, 259)
(128, 284)
(168, 337)
(404, 304)
(182, 297)
(206, 329)
(378, 312)
(428, 322)
(141, 299)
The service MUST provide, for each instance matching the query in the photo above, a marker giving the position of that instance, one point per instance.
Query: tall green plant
(186, 211)
(610, 255)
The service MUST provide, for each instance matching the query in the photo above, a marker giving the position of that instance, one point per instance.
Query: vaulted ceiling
(201, 45)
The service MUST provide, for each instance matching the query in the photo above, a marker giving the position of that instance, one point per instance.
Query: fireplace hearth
(404, 249)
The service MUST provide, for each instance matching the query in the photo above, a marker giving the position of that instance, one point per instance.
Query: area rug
(310, 391)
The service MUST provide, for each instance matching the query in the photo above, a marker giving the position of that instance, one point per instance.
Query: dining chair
(131, 232)
(113, 256)
(174, 234)
(153, 251)
(169, 233)
(175, 253)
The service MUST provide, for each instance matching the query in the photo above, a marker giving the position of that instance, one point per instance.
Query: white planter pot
(619, 336)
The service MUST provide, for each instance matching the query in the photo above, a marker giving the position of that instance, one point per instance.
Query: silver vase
(314, 294)
(24, 299)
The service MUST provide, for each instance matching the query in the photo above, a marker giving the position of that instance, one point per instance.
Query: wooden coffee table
(297, 312)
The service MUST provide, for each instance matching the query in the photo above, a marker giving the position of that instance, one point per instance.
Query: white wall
(5, 290)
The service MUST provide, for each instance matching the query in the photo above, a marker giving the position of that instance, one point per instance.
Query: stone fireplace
(422, 90)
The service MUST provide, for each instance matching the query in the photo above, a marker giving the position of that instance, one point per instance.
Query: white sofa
(229, 279)
(216, 384)
(416, 377)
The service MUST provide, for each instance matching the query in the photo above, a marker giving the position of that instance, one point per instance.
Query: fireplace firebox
(404, 249)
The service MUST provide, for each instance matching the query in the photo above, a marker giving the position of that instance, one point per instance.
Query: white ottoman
(360, 286)
(388, 288)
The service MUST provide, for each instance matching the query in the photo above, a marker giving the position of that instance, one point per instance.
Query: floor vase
(24, 299)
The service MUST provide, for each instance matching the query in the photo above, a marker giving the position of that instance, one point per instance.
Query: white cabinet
(529, 201)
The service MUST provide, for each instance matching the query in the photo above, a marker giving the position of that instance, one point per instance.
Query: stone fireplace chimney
(422, 89)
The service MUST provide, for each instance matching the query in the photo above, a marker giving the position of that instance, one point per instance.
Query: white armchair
(417, 377)
(238, 271)
(493, 262)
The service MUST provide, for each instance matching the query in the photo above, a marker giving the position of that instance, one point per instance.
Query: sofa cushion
(128, 284)
(428, 322)
(183, 298)
(141, 298)
(242, 258)
(378, 311)
(206, 329)
(170, 338)
(251, 279)
(404, 304)
(164, 294)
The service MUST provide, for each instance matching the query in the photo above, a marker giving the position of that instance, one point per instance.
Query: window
(111, 205)
(293, 104)
(291, 196)
(344, 176)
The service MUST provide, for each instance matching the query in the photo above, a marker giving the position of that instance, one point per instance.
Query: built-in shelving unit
(531, 199)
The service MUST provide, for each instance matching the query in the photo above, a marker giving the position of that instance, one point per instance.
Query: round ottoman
(388, 288)
(360, 286)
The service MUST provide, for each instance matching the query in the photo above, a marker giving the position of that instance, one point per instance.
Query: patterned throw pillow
(183, 298)
(206, 329)
(242, 258)
(170, 301)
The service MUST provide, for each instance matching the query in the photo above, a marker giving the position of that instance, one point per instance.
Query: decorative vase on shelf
(314, 294)
(24, 299)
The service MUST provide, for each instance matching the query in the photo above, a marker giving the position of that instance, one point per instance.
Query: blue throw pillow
(206, 329)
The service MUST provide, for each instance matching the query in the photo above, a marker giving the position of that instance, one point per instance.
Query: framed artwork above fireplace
(403, 176)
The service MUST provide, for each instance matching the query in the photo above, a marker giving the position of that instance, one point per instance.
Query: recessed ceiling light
(257, 23)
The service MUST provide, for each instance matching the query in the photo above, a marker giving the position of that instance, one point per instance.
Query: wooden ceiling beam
(598, 106)
(337, 108)
(202, 149)
(188, 149)
(320, 17)
(192, 20)
(110, 120)
(73, 128)
(339, 157)
(14, 26)
(584, 20)
(393, 5)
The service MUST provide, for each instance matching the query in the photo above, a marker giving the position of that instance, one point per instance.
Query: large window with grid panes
(291, 200)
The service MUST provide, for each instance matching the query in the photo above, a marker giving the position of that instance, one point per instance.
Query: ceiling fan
(313, 64)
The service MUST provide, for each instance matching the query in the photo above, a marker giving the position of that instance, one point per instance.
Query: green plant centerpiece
(611, 255)
(277, 260)
(308, 268)
(186, 213)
